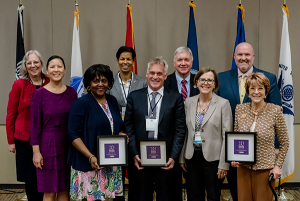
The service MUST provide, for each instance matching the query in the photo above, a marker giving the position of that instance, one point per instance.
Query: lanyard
(109, 118)
(202, 114)
(152, 109)
(125, 96)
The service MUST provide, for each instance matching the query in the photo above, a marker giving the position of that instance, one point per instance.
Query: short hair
(23, 70)
(55, 57)
(125, 49)
(182, 50)
(259, 79)
(97, 70)
(206, 70)
(159, 61)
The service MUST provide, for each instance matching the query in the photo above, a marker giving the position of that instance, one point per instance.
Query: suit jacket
(136, 83)
(87, 120)
(229, 88)
(217, 120)
(171, 83)
(171, 123)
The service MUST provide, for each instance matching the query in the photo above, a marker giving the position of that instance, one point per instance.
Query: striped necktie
(184, 91)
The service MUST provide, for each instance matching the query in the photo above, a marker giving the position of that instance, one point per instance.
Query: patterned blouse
(270, 119)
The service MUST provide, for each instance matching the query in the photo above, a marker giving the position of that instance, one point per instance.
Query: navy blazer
(171, 84)
(229, 88)
(171, 123)
(87, 120)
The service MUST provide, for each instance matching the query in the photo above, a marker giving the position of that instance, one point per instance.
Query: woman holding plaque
(265, 119)
(208, 116)
(96, 113)
(32, 77)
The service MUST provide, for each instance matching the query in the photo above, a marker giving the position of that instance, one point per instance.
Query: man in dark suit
(167, 109)
(230, 85)
(182, 80)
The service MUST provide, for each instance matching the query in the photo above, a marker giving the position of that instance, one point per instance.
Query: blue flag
(240, 33)
(192, 39)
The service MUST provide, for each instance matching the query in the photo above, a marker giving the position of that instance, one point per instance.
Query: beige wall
(8, 167)
(159, 26)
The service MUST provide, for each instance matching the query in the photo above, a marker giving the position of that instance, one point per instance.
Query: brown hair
(259, 79)
(206, 70)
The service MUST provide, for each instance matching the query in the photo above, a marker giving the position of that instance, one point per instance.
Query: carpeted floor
(19, 194)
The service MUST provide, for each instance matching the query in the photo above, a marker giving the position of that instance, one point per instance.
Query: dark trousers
(161, 181)
(202, 175)
(232, 182)
(32, 193)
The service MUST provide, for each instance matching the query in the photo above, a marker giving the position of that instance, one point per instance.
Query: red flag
(129, 35)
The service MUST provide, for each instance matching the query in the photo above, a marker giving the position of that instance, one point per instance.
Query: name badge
(152, 125)
(198, 139)
(123, 113)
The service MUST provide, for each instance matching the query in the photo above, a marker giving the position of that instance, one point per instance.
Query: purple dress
(49, 128)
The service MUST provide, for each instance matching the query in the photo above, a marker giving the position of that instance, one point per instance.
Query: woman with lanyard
(208, 116)
(125, 80)
(96, 113)
(32, 77)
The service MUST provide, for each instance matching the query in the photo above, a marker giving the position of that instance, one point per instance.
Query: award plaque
(153, 153)
(240, 147)
(112, 150)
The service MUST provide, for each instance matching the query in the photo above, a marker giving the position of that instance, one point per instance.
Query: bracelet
(91, 158)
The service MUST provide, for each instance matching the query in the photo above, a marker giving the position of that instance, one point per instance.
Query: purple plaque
(153, 152)
(111, 150)
(241, 147)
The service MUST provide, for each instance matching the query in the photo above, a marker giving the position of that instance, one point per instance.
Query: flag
(76, 63)
(240, 32)
(285, 84)
(130, 36)
(20, 50)
(192, 38)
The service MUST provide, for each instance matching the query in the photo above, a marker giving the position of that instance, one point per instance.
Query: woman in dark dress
(32, 77)
(96, 113)
(50, 108)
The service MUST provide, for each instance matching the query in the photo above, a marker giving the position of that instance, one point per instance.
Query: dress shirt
(158, 100)
(126, 86)
(187, 84)
(246, 74)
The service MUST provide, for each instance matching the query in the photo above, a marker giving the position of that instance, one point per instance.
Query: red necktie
(184, 90)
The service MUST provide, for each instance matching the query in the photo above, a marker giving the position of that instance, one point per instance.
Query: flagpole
(20, 2)
(240, 2)
(128, 2)
(76, 4)
(284, 2)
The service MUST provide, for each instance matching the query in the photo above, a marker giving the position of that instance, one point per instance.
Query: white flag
(76, 63)
(285, 84)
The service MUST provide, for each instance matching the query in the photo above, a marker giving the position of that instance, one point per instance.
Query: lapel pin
(244, 116)
(134, 81)
(195, 86)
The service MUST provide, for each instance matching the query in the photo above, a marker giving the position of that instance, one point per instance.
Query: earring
(88, 88)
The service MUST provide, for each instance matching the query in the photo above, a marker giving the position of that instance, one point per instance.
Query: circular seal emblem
(287, 93)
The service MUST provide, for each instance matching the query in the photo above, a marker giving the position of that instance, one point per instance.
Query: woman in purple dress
(50, 108)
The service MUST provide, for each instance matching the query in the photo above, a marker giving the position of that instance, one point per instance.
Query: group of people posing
(54, 134)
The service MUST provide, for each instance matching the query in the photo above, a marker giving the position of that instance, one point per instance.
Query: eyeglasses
(259, 89)
(209, 81)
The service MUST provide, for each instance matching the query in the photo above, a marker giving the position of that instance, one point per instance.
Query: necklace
(255, 112)
(205, 109)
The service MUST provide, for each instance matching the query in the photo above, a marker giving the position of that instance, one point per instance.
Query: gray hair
(23, 70)
(158, 60)
(182, 50)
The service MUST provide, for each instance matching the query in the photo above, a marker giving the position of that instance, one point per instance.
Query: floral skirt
(96, 185)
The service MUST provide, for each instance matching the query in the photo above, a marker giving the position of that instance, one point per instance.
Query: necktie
(184, 90)
(152, 113)
(242, 89)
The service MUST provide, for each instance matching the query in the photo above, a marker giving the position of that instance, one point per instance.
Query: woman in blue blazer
(96, 113)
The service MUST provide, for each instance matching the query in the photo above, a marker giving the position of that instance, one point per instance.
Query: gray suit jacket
(136, 83)
(217, 120)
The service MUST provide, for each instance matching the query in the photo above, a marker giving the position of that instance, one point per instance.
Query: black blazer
(171, 123)
(171, 84)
